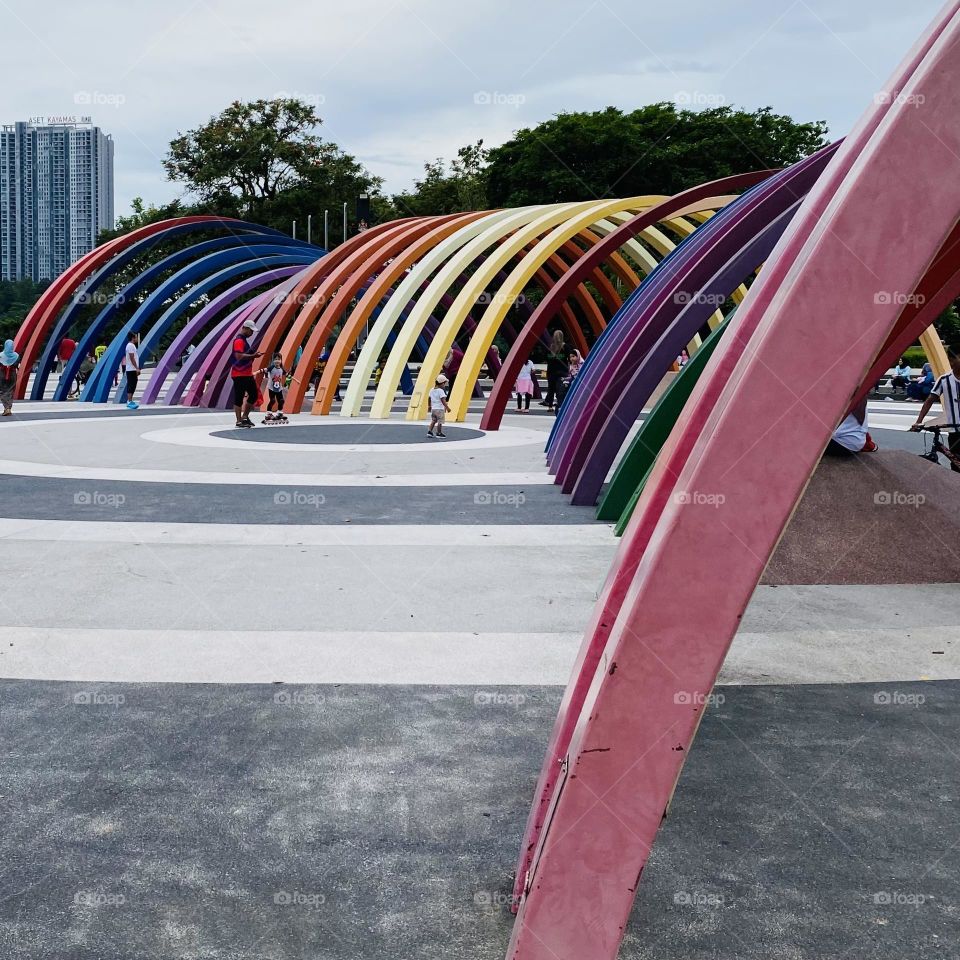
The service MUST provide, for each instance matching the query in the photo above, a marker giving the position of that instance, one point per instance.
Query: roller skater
(276, 378)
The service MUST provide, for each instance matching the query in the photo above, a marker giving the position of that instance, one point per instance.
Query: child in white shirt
(438, 407)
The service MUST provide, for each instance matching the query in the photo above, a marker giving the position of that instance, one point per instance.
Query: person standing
(557, 366)
(947, 391)
(452, 364)
(524, 387)
(131, 366)
(65, 352)
(241, 372)
(438, 407)
(276, 379)
(9, 363)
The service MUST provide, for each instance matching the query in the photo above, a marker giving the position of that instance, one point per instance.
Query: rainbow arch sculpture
(825, 236)
(242, 249)
(413, 285)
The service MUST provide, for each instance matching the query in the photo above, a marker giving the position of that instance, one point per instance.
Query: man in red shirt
(244, 383)
(67, 346)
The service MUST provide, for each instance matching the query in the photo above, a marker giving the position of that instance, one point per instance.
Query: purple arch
(199, 322)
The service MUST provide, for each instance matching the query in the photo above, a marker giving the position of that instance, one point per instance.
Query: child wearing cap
(437, 406)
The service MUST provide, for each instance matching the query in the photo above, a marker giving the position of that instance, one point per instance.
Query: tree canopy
(16, 299)
(659, 148)
(264, 161)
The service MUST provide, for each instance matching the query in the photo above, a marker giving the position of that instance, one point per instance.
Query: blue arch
(169, 317)
(210, 270)
(141, 282)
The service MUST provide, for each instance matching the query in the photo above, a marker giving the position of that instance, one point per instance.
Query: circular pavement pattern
(365, 433)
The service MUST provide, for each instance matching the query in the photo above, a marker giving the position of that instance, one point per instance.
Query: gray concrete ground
(149, 822)
(290, 699)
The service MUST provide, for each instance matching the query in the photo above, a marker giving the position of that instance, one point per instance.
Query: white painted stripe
(309, 535)
(186, 656)
(29, 468)
(888, 422)
(402, 657)
(872, 655)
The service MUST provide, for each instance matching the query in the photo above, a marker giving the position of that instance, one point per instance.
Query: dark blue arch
(169, 317)
(213, 264)
(141, 282)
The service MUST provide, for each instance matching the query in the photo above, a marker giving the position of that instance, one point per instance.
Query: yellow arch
(562, 224)
(514, 284)
(404, 293)
(509, 222)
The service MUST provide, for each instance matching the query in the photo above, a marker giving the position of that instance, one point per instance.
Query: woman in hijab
(9, 361)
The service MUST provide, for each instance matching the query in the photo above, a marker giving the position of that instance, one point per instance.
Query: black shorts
(244, 387)
(132, 377)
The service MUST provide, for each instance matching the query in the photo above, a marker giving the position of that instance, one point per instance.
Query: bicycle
(937, 445)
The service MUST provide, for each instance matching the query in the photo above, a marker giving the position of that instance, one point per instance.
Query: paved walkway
(286, 698)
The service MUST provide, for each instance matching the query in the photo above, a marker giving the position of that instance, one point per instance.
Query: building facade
(56, 194)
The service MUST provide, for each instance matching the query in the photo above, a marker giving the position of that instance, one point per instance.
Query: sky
(401, 82)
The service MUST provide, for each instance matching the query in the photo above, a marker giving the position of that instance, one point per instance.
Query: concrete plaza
(285, 692)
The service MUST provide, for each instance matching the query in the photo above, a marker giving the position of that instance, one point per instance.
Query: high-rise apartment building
(56, 194)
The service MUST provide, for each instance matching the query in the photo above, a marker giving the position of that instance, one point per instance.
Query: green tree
(462, 188)
(141, 214)
(17, 297)
(948, 325)
(264, 161)
(658, 148)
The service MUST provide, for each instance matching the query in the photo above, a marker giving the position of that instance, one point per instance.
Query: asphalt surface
(153, 821)
(34, 498)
